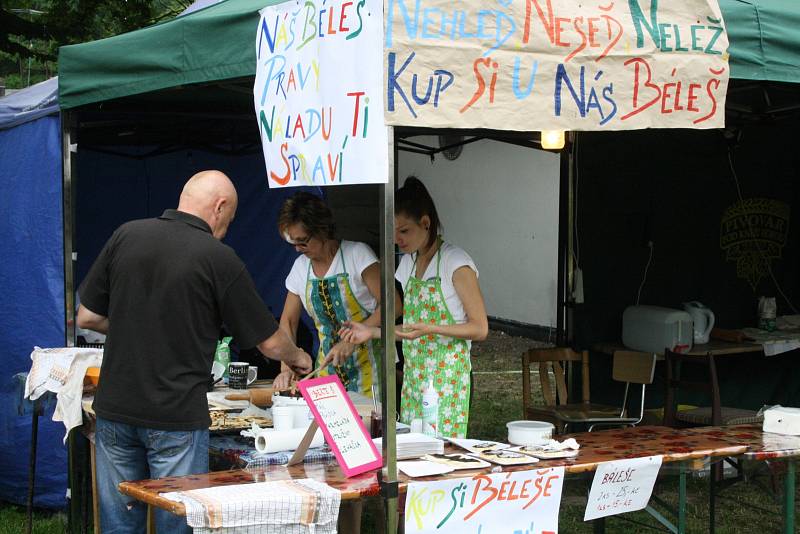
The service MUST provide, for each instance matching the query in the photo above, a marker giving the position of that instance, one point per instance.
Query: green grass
(12, 520)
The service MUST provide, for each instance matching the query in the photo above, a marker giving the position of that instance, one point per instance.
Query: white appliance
(653, 329)
(782, 420)
(702, 319)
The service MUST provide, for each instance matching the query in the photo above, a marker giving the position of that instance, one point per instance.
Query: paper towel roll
(269, 440)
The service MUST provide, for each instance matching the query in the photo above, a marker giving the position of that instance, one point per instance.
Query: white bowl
(529, 432)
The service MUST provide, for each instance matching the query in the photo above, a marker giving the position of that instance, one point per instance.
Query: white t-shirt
(452, 258)
(357, 257)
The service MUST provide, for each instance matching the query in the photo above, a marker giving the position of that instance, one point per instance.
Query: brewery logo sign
(753, 233)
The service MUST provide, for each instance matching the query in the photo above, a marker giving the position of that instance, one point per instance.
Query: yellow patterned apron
(331, 302)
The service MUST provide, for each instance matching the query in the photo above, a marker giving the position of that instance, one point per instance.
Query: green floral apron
(444, 360)
(331, 302)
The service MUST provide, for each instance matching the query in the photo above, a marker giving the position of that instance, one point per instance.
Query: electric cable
(644, 277)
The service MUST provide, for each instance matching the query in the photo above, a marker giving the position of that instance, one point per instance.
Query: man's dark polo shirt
(166, 286)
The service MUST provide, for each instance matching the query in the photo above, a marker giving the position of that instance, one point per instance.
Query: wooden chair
(715, 414)
(557, 409)
(630, 367)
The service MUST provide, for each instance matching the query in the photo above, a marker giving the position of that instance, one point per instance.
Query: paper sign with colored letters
(556, 64)
(318, 93)
(513, 502)
(622, 486)
(341, 425)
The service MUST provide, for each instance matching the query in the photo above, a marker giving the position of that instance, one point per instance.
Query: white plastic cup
(302, 416)
(282, 418)
(416, 426)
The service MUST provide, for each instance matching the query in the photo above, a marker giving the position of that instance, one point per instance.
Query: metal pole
(67, 148)
(32, 469)
(388, 475)
(564, 243)
(682, 499)
(788, 496)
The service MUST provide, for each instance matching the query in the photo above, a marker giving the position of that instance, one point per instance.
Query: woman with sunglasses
(443, 312)
(335, 281)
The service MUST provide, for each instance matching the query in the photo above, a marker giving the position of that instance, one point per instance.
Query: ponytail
(414, 201)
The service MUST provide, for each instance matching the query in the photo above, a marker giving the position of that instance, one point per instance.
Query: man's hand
(283, 381)
(300, 362)
(339, 354)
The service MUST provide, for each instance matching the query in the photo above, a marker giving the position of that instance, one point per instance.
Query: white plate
(451, 460)
(543, 454)
(477, 445)
(423, 468)
(507, 457)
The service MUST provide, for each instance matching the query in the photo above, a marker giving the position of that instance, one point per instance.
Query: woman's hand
(358, 333)
(414, 330)
(283, 381)
(339, 353)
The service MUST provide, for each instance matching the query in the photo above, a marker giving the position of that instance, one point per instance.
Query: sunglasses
(302, 242)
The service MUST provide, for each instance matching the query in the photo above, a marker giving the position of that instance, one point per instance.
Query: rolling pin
(261, 397)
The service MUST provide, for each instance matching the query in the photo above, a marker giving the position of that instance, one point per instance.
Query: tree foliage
(32, 30)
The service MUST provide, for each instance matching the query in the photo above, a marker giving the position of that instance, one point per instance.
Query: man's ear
(218, 205)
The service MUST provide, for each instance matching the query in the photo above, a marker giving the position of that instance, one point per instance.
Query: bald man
(161, 289)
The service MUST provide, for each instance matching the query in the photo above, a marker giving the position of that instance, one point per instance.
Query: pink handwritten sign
(341, 425)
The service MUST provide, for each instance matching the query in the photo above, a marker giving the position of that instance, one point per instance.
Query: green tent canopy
(217, 43)
(764, 39)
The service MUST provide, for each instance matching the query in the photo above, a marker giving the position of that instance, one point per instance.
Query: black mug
(238, 375)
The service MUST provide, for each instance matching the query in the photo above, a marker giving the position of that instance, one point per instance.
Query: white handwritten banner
(622, 486)
(520, 501)
(556, 64)
(318, 93)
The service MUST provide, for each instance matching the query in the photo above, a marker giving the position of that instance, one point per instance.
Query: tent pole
(564, 241)
(568, 156)
(68, 147)
(388, 474)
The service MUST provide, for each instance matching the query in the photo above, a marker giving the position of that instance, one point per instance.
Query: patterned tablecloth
(747, 441)
(238, 451)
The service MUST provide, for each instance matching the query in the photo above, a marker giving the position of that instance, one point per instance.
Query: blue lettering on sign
(585, 103)
(520, 94)
(444, 79)
(266, 33)
(492, 25)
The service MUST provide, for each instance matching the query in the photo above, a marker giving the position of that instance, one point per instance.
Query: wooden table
(714, 347)
(686, 447)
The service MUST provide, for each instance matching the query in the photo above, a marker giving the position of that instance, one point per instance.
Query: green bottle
(223, 355)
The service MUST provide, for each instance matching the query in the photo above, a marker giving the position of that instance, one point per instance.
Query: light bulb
(553, 139)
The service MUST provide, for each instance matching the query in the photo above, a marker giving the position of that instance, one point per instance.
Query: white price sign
(622, 486)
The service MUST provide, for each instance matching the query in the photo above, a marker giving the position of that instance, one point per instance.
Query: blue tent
(114, 186)
(32, 282)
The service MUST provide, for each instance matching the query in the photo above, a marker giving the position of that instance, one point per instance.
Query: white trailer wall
(499, 202)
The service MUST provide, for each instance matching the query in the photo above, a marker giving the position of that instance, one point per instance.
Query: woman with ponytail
(443, 312)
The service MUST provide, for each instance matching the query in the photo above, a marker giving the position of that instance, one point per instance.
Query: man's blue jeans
(127, 452)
